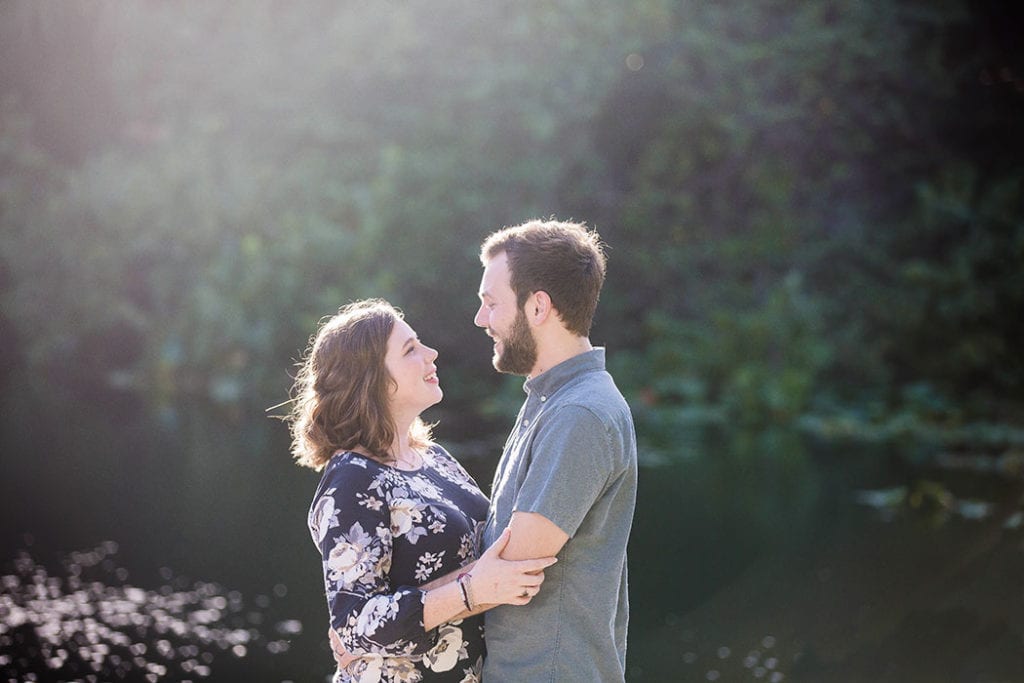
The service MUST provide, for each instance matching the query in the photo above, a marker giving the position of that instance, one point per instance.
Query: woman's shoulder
(437, 450)
(448, 465)
(349, 465)
(440, 457)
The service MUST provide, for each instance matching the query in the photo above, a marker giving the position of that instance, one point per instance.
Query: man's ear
(538, 307)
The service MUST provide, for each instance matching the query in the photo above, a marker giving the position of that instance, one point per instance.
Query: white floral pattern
(472, 674)
(449, 649)
(381, 533)
(323, 517)
(428, 564)
(404, 513)
(352, 558)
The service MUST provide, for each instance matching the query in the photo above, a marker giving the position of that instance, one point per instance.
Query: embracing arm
(530, 537)
(529, 545)
(491, 581)
(573, 459)
(533, 535)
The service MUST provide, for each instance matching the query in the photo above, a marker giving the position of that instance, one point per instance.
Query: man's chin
(498, 362)
(501, 365)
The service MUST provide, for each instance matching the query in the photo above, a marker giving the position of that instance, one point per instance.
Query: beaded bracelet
(467, 593)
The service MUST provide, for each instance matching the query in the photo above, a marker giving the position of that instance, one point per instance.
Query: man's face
(515, 349)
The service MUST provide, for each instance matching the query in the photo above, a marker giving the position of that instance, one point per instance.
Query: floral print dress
(381, 533)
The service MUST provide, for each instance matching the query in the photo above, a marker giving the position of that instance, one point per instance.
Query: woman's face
(411, 365)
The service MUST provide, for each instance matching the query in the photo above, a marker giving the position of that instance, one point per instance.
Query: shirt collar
(550, 381)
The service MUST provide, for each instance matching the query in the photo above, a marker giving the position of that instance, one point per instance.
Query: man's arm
(533, 536)
(572, 461)
(491, 583)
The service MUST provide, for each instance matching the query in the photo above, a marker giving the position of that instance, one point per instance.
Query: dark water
(176, 549)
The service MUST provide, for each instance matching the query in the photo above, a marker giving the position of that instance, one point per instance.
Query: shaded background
(814, 306)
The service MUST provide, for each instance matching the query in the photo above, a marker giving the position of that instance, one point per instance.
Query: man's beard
(519, 349)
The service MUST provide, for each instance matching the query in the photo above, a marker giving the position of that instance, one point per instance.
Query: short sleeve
(350, 524)
(571, 462)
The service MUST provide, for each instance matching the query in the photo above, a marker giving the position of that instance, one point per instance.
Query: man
(566, 482)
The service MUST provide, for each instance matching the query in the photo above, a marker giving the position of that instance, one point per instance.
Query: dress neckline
(418, 470)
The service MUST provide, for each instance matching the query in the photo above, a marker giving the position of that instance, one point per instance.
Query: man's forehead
(495, 279)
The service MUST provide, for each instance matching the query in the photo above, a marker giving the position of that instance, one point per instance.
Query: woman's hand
(492, 581)
(495, 581)
(341, 656)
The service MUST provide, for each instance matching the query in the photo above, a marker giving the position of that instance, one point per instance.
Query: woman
(395, 517)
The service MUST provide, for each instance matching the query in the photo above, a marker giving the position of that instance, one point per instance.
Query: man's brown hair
(564, 259)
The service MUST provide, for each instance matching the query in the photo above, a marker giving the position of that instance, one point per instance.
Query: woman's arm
(351, 526)
(491, 581)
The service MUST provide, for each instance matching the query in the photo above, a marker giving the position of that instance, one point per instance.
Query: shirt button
(543, 398)
(526, 423)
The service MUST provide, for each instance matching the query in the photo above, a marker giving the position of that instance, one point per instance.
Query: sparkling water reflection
(88, 624)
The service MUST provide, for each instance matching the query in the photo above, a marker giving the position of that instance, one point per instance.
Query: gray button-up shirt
(571, 457)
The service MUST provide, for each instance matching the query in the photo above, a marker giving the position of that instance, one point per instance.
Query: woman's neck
(402, 450)
(400, 446)
(401, 443)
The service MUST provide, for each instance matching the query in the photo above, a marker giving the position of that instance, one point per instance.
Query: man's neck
(559, 351)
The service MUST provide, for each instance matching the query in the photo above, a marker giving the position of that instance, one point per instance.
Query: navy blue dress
(382, 532)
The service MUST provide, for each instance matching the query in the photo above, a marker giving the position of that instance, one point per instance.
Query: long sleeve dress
(382, 532)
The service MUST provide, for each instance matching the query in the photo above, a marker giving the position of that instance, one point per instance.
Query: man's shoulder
(595, 391)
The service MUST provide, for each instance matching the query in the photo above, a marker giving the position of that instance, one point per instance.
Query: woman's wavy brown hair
(340, 399)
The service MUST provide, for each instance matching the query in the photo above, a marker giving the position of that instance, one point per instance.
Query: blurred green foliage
(812, 209)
